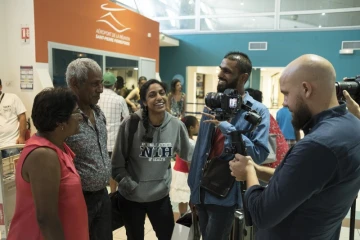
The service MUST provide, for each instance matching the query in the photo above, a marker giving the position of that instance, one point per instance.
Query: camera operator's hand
(241, 166)
(352, 106)
(212, 118)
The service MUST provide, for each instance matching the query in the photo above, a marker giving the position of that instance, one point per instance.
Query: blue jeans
(215, 221)
(9, 152)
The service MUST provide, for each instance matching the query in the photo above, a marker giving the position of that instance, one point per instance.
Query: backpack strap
(134, 122)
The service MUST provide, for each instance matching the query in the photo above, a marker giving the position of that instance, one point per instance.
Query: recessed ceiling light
(319, 26)
(136, 68)
(242, 4)
(323, 13)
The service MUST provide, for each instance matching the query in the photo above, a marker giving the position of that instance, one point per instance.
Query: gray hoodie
(147, 176)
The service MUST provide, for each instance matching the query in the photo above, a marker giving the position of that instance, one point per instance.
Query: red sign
(25, 33)
(2, 222)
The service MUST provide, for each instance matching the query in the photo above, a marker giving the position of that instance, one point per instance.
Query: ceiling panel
(301, 5)
(209, 7)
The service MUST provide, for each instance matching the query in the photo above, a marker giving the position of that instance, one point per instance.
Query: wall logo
(115, 25)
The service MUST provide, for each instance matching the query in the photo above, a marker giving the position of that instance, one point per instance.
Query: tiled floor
(120, 234)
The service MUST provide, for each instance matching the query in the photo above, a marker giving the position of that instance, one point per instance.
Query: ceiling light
(136, 68)
(191, 2)
(263, 69)
(242, 4)
(253, 19)
(319, 26)
(323, 13)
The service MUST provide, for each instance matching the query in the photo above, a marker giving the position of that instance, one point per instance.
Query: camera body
(225, 105)
(351, 85)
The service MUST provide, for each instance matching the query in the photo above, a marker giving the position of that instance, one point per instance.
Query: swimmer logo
(112, 17)
(114, 24)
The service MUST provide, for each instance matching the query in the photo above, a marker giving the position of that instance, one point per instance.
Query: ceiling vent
(350, 45)
(257, 46)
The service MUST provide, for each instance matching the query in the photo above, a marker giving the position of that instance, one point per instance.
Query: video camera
(225, 106)
(351, 85)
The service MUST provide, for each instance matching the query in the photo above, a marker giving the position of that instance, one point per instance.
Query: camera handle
(238, 146)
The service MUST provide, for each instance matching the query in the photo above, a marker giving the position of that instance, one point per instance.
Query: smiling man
(92, 161)
(216, 213)
(311, 191)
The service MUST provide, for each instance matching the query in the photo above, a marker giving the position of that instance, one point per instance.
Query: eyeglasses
(76, 112)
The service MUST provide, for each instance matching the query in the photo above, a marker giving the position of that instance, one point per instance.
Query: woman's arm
(184, 107)
(130, 97)
(42, 170)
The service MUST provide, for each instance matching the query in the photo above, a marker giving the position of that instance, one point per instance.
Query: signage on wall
(115, 28)
(26, 77)
(25, 34)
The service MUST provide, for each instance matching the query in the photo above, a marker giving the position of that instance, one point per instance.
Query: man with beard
(312, 190)
(216, 213)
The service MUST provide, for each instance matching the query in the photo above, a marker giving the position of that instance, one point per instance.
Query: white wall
(3, 48)
(18, 13)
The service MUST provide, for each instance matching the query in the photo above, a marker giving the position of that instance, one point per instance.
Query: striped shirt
(115, 110)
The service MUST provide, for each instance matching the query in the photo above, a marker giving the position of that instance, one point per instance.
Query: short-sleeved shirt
(10, 108)
(115, 110)
(92, 159)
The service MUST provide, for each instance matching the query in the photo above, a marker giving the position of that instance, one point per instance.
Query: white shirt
(10, 108)
(115, 110)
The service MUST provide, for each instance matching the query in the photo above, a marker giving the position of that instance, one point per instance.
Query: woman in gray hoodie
(144, 172)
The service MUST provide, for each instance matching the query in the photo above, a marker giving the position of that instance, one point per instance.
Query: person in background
(216, 214)
(180, 191)
(177, 100)
(283, 117)
(115, 110)
(133, 99)
(281, 144)
(12, 122)
(84, 77)
(120, 87)
(144, 178)
(313, 188)
(49, 199)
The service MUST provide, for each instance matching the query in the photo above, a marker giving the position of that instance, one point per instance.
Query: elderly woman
(49, 199)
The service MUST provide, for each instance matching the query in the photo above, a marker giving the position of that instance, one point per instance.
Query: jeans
(9, 152)
(99, 214)
(160, 215)
(215, 221)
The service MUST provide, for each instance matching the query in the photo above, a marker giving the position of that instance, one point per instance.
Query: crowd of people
(96, 133)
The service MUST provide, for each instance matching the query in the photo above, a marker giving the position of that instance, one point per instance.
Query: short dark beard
(232, 85)
(301, 115)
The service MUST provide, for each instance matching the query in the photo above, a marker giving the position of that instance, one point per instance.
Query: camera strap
(2, 96)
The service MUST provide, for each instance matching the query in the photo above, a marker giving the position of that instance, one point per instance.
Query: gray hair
(79, 70)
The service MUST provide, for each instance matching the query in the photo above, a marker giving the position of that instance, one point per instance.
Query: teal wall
(255, 79)
(283, 47)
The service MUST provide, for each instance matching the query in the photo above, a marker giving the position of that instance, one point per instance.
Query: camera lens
(352, 87)
(213, 100)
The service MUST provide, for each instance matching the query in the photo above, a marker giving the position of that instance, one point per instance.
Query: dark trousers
(99, 214)
(215, 221)
(160, 215)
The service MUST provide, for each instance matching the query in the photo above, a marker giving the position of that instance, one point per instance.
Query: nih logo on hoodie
(156, 152)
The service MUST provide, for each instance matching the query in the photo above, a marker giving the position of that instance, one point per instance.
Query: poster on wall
(200, 85)
(26, 77)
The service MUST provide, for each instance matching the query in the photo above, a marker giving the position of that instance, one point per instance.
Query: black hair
(255, 94)
(141, 79)
(244, 64)
(173, 85)
(0, 82)
(51, 107)
(189, 121)
(119, 82)
(145, 112)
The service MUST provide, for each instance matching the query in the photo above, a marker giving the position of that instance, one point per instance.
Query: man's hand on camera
(241, 166)
(212, 118)
(352, 106)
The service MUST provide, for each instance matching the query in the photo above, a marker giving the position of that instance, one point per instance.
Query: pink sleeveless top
(72, 206)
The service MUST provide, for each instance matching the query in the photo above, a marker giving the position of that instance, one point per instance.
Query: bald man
(311, 191)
